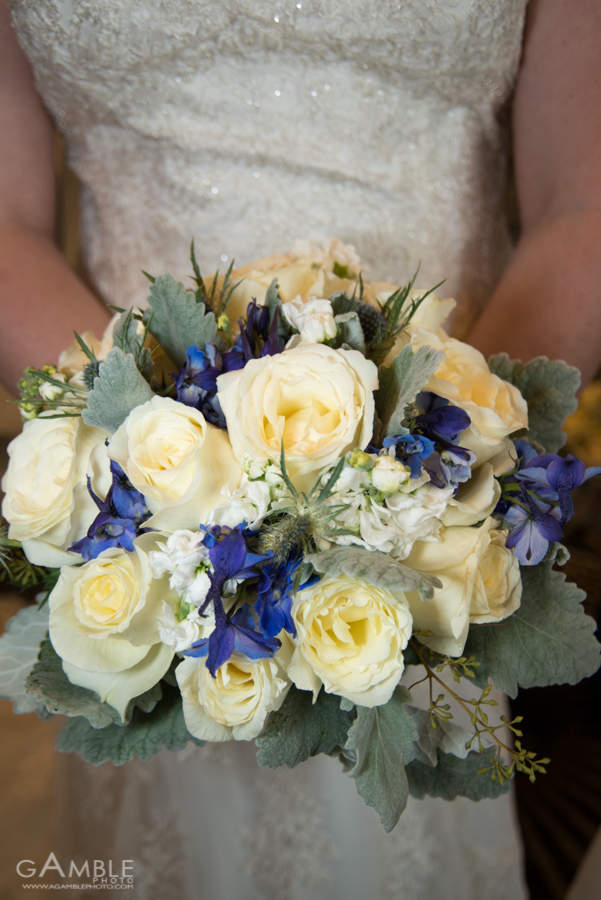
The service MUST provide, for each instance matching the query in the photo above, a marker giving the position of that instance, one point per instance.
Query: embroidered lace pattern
(250, 123)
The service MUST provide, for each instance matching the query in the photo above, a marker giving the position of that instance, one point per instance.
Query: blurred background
(559, 814)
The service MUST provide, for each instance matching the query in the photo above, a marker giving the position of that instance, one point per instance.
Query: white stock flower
(103, 624)
(388, 474)
(176, 459)
(317, 401)
(249, 503)
(180, 557)
(235, 704)
(180, 634)
(313, 319)
(47, 503)
(350, 639)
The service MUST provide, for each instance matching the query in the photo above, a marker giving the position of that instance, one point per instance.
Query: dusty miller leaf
(382, 739)
(178, 320)
(301, 728)
(351, 332)
(449, 737)
(142, 737)
(19, 648)
(453, 777)
(118, 388)
(401, 382)
(376, 568)
(549, 388)
(51, 687)
(548, 640)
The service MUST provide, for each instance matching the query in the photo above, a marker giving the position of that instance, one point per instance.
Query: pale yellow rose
(235, 704)
(498, 585)
(475, 499)
(177, 460)
(73, 359)
(455, 560)
(47, 503)
(103, 623)
(431, 314)
(316, 400)
(495, 407)
(350, 639)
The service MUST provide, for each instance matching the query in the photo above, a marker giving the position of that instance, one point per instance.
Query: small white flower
(249, 503)
(52, 391)
(181, 556)
(180, 635)
(196, 593)
(389, 474)
(313, 319)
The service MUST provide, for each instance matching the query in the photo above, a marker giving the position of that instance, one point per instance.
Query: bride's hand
(549, 299)
(41, 300)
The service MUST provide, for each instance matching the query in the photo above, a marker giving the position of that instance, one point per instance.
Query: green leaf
(400, 383)
(549, 387)
(178, 319)
(118, 388)
(142, 737)
(376, 568)
(351, 332)
(301, 728)
(448, 736)
(382, 739)
(19, 648)
(127, 338)
(548, 640)
(51, 687)
(453, 777)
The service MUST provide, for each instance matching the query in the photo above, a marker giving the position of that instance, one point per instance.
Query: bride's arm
(549, 299)
(41, 300)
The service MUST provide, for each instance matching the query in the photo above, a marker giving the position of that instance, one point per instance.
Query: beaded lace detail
(250, 123)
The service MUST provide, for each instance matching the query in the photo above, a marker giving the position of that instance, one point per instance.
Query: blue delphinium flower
(276, 595)
(230, 559)
(439, 418)
(536, 500)
(412, 450)
(119, 520)
(196, 382)
(450, 465)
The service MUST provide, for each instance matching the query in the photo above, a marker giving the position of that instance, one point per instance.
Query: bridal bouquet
(250, 507)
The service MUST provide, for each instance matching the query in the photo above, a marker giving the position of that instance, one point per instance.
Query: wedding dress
(249, 124)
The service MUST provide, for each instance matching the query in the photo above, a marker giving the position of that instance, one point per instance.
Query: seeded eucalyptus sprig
(70, 399)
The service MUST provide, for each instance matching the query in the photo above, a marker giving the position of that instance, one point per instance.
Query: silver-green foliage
(400, 382)
(549, 387)
(144, 736)
(301, 728)
(382, 739)
(51, 687)
(548, 640)
(19, 648)
(178, 318)
(351, 332)
(378, 569)
(453, 776)
(118, 388)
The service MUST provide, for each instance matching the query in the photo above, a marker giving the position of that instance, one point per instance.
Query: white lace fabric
(249, 124)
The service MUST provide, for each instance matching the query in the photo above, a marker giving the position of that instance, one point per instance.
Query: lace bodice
(250, 123)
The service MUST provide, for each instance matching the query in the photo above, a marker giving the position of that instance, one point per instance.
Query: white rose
(235, 704)
(475, 500)
(317, 401)
(313, 319)
(47, 502)
(103, 624)
(350, 639)
(455, 560)
(176, 459)
(495, 407)
(498, 585)
(388, 474)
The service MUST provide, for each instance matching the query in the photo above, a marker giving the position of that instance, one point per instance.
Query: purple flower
(450, 465)
(196, 382)
(411, 450)
(118, 523)
(276, 589)
(535, 525)
(439, 419)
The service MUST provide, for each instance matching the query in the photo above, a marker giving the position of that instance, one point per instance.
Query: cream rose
(177, 460)
(317, 401)
(313, 319)
(455, 560)
(350, 639)
(103, 624)
(73, 359)
(495, 407)
(235, 704)
(47, 503)
(498, 585)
